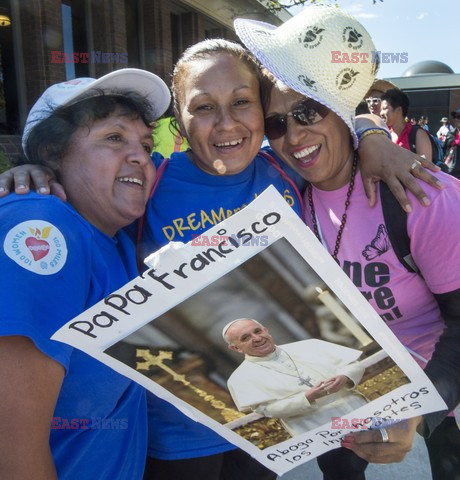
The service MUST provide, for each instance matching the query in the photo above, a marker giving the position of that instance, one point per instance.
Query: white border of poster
(175, 274)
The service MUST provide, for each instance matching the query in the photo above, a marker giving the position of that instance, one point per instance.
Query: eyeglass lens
(307, 112)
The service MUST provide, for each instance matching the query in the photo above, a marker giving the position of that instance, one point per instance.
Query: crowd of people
(392, 104)
(94, 137)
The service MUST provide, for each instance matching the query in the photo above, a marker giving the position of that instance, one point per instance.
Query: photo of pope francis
(304, 383)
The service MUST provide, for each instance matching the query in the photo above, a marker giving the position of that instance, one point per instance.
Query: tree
(276, 6)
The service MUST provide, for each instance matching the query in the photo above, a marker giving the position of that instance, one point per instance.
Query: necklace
(351, 185)
(302, 380)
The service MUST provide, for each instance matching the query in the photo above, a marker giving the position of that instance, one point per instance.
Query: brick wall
(156, 18)
(10, 145)
(41, 25)
(109, 32)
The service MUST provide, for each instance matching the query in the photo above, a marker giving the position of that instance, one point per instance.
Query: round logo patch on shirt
(37, 246)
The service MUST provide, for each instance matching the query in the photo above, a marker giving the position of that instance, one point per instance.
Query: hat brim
(250, 32)
(146, 84)
(381, 85)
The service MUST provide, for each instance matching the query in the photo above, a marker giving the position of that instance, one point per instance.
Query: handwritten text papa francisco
(117, 306)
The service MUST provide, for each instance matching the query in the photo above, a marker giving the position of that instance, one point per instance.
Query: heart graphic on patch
(38, 248)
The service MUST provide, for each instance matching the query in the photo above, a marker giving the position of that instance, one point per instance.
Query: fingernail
(43, 190)
(426, 201)
(21, 187)
(407, 208)
(2, 189)
(348, 439)
(439, 184)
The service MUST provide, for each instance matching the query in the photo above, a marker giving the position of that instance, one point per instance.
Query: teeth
(305, 152)
(229, 144)
(131, 180)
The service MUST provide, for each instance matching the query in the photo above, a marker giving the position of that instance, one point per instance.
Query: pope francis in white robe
(274, 385)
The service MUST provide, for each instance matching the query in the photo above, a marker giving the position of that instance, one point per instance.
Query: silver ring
(415, 165)
(384, 433)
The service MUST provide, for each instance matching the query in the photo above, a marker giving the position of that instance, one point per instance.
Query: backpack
(396, 223)
(437, 155)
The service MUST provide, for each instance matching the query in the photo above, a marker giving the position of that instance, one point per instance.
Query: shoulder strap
(141, 222)
(286, 177)
(412, 135)
(396, 223)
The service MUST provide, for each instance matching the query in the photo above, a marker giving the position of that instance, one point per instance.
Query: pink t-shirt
(403, 299)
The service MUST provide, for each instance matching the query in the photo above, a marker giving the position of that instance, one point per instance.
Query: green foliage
(4, 162)
(276, 6)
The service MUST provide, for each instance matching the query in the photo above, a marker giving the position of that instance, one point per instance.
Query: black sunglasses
(307, 112)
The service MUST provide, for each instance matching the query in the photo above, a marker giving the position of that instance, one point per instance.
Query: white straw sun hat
(300, 53)
(147, 84)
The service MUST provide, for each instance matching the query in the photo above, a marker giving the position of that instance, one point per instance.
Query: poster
(164, 331)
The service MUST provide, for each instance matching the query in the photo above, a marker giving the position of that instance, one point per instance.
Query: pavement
(415, 466)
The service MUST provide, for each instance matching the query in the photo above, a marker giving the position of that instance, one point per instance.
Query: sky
(425, 29)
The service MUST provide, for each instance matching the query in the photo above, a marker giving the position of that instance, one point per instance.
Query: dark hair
(267, 82)
(49, 140)
(397, 98)
(199, 51)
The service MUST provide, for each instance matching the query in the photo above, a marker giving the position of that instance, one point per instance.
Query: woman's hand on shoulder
(381, 159)
(23, 177)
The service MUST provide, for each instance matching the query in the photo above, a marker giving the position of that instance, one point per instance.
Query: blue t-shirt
(186, 203)
(55, 265)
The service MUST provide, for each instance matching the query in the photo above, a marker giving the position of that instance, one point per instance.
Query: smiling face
(250, 338)
(320, 153)
(221, 114)
(374, 103)
(389, 114)
(107, 172)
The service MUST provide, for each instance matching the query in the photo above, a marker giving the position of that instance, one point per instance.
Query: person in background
(444, 129)
(452, 147)
(64, 414)
(423, 123)
(310, 129)
(166, 139)
(373, 97)
(395, 104)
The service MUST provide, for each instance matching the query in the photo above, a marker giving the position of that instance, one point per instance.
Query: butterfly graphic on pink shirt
(379, 245)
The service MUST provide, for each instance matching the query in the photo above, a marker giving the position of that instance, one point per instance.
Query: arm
(381, 159)
(444, 367)
(41, 178)
(31, 382)
(296, 404)
(423, 145)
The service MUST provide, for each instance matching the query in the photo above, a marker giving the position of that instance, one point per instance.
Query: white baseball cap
(301, 54)
(147, 84)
